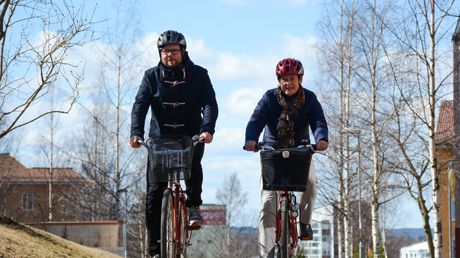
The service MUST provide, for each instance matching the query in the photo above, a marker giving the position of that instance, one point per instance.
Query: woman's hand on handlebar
(134, 141)
(250, 146)
(321, 145)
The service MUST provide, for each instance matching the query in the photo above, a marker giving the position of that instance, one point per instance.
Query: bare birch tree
(338, 32)
(419, 34)
(371, 78)
(117, 172)
(30, 63)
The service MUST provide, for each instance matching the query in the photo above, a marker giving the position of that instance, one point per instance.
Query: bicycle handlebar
(195, 140)
(311, 148)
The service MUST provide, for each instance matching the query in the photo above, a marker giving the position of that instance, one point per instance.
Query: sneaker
(306, 233)
(194, 218)
(154, 250)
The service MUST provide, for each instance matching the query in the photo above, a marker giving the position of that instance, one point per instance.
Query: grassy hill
(17, 241)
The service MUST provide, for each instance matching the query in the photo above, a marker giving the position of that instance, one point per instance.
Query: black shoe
(154, 250)
(306, 233)
(194, 218)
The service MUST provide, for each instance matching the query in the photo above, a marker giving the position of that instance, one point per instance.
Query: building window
(28, 202)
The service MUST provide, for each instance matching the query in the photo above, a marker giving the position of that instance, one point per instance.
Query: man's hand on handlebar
(134, 141)
(206, 137)
(250, 146)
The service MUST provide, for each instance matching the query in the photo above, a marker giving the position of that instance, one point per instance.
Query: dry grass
(20, 241)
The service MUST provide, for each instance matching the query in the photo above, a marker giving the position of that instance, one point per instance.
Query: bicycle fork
(291, 210)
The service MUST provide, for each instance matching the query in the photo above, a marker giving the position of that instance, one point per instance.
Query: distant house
(24, 192)
(419, 250)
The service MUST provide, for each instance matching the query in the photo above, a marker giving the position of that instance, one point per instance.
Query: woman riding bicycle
(286, 113)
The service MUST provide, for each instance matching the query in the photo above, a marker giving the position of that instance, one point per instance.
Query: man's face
(171, 55)
(290, 84)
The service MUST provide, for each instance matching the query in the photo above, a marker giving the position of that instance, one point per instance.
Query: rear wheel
(284, 241)
(168, 245)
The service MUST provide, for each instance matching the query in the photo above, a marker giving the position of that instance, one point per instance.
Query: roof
(423, 246)
(445, 128)
(13, 171)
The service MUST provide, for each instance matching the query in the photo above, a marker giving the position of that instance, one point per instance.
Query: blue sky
(239, 42)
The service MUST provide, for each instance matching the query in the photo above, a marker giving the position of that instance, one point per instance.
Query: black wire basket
(170, 157)
(285, 169)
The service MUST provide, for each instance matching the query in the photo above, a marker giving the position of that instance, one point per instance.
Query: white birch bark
(437, 239)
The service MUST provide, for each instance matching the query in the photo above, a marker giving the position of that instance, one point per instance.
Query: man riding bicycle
(285, 113)
(182, 102)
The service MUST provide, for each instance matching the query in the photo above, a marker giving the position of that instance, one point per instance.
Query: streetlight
(357, 132)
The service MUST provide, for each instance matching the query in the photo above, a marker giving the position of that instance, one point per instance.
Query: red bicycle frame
(179, 207)
(292, 220)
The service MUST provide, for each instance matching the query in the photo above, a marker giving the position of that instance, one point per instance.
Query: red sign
(213, 217)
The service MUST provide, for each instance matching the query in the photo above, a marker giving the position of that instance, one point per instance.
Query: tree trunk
(437, 241)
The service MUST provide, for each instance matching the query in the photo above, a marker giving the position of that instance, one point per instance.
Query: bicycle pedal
(193, 227)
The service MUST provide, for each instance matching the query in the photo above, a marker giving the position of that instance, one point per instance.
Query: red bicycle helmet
(289, 66)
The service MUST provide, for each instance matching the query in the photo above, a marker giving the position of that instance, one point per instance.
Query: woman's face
(290, 84)
(171, 55)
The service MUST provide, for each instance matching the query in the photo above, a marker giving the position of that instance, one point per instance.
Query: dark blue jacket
(268, 110)
(186, 108)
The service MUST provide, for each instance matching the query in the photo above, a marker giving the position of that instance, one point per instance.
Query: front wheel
(184, 232)
(167, 242)
(284, 241)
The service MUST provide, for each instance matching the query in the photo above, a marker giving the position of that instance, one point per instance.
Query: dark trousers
(155, 194)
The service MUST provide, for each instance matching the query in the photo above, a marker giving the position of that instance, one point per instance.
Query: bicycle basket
(288, 173)
(170, 156)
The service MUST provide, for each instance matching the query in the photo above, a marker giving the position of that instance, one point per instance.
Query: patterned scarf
(291, 106)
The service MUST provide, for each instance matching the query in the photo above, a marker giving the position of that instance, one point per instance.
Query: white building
(419, 250)
(322, 244)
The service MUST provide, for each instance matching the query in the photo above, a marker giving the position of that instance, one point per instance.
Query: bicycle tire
(284, 227)
(167, 242)
(184, 233)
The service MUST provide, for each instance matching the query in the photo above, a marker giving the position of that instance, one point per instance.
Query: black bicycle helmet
(171, 37)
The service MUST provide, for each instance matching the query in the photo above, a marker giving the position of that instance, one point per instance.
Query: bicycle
(170, 159)
(286, 171)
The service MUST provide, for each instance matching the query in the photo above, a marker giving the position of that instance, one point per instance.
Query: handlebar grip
(258, 146)
(196, 139)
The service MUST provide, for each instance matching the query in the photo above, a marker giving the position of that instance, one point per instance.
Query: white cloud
(230, 66)
(227, 140)
(300, 48)
(242, 102)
